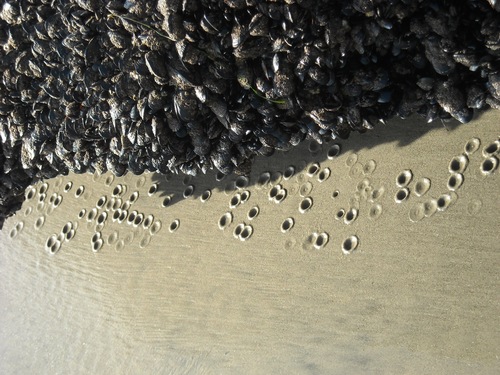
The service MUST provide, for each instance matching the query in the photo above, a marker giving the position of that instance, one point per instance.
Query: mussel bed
(185, 86)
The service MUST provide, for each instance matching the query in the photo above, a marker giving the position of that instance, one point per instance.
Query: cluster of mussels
(190, 85)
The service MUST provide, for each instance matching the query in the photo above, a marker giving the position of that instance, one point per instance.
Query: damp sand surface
(378, 254)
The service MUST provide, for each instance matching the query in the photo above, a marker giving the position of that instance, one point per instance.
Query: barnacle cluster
(191, 85)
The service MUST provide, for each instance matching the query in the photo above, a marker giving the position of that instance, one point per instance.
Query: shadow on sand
(174, 188)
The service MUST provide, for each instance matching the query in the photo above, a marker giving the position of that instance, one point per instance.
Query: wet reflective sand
(378, 254)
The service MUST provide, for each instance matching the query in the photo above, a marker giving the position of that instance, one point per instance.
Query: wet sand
(143, 274)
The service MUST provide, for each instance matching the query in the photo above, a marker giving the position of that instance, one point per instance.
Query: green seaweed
(278, 101)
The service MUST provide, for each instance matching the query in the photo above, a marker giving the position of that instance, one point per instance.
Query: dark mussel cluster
(190, 85)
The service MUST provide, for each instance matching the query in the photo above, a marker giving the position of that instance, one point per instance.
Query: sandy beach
(377, 254)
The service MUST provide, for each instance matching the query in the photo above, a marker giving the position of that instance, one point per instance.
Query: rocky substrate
(177, 86)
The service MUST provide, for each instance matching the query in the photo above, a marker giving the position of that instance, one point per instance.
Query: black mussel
(185, 105)
(252, 48)
(442, 62)
(259, 25)
(216, 104)
(172, 24)
(173, 123)
(156, 101)
(244, 74)
(155, 64)
(283, 83)
(426, 83)
(214, 84)
(235, 4)
(190, 54)
(262, 87)
(476, 97)
(321, 76)
(238, 35)
(452, 100)
(211, 23)
(493, 85)
(168, 6)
